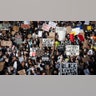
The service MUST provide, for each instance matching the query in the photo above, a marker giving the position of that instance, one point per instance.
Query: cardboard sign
(25, 26)
(52, 34)
(2, 65)
(48, 42)
(69, 69)
(22, 72)
(52, 24)
(69, 29)
(72, 50)
(6, 43)
(45, 27)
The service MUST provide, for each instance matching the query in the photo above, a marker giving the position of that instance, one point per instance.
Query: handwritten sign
(48, 42)
(61, 31)
(72, 50)
(52, 24)
(45, 27)
(6, 43)
(69, 69)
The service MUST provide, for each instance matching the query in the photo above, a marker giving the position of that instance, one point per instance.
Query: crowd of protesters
(17, 56)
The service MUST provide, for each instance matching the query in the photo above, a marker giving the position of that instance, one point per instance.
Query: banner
(45, 27)
(69, 69)
(72, 50)
(61, 31)
(6, 43)
(52, 24)
(47, 42)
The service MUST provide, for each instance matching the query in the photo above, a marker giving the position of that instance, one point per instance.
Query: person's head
(47, 67)
(43, 73)
(55, 72)
(23, 63)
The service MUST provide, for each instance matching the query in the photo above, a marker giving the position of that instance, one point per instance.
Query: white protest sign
(39, 33)
(45, 58)
(27, 22)
(69, 69)
(61, 31)
(87, 22)
(72, 50)
(45, 27)
(49, 42)
(52, 24)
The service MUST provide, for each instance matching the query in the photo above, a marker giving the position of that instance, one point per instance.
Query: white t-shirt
(15, 65)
